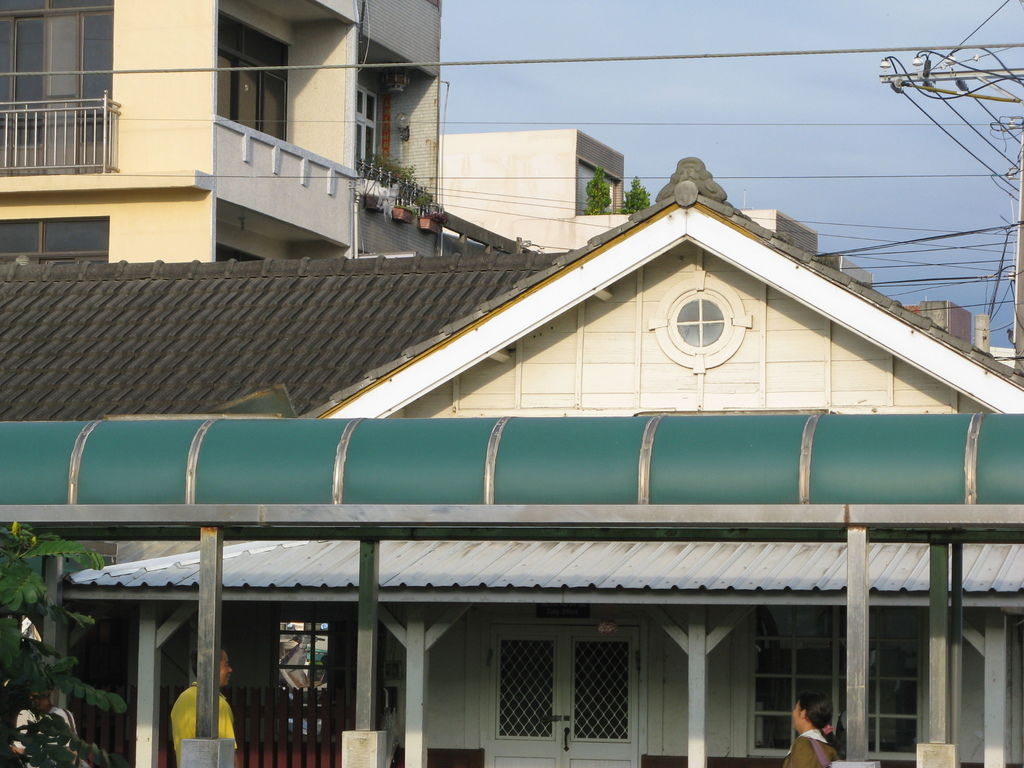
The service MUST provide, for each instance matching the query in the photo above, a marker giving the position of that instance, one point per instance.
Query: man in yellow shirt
(183, 713)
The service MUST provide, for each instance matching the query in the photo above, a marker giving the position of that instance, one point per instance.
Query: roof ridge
(266, 268)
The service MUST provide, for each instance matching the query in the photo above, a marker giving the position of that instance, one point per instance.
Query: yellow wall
(145, 225)
(166, 119)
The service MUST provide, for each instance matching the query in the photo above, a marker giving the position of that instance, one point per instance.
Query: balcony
(267, 176)
(73, 136)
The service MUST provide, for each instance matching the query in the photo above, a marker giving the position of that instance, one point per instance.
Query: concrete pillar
(366, 641)
(365, 747)
(938, 647)
(207, 753)
(147, 706)
(415, 689)
(697, 668)
(857, 634)
(211, 578)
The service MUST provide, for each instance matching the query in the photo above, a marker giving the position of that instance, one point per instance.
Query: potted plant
(433, 221)
(372, 202)
(403, 213)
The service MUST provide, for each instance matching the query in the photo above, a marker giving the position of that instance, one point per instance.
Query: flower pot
(430, 224)
(404, 215)
(372, 203)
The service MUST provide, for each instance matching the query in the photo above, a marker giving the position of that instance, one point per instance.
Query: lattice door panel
(601, 690)
(526, 688)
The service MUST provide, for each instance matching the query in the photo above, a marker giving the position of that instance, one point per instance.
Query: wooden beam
(416, 689)
(394, 626)
(671, 626)
(174, 622)
(697, 704)
(995, 689)
(446, 621)
(147, 702)
(734, 617)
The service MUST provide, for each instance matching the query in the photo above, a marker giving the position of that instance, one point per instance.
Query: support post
(697, 669)
(938, 644)
(366, 650)
(956, 639)
(55, 632)
(1018, 278)
(995, 689)
(415, 689)
(147, 704)
(857, 634)
(211, 578)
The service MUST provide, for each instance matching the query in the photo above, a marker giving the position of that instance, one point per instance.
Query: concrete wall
(519, 184)
(604, 357)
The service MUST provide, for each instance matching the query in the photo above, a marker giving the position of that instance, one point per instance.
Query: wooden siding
(604, 357)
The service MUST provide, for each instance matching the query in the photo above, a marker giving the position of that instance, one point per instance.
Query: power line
(932, 238)
(506, 62)
(986, 21)
(959, 143)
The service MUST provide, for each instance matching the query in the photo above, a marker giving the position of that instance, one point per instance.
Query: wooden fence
(274, 728)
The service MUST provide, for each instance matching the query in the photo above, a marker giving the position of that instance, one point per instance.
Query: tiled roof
(671, 566)
(81, 342)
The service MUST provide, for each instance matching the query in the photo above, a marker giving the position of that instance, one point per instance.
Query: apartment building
(150, 149)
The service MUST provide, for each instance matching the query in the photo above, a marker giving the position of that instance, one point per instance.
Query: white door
(564, 697)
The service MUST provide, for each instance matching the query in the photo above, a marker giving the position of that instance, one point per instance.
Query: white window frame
(365, 122)
(700, 286)
(839, 657)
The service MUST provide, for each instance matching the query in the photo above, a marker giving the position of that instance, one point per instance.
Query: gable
(611, 355)
(728, 235)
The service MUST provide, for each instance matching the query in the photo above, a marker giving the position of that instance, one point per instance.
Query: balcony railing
(72, 136)
(402, 189)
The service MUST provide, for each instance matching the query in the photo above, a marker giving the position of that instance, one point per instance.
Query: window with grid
(55, 36)
(803, 648)
(315, 652)
(61, 241)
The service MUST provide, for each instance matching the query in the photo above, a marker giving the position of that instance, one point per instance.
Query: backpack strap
(822, 758)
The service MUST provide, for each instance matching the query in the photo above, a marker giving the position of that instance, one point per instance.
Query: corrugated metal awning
(708, 566)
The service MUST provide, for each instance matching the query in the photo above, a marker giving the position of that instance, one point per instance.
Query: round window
(700, 323)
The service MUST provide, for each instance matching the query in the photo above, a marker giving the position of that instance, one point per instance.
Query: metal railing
(71, 135)
(403, 189)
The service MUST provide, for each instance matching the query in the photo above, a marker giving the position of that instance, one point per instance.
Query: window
(803, 648)
(61, 241)
(53, 36)
(255, 99)
(315, 651)
(366, 125)
(701, 322)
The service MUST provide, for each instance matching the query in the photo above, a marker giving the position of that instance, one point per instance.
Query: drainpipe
(355, 217)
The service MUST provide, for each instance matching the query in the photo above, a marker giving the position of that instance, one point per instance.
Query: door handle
(565, 739)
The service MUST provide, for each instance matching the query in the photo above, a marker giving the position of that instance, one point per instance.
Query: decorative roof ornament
(691, 179)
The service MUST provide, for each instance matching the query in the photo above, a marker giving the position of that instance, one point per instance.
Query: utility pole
(968, 81)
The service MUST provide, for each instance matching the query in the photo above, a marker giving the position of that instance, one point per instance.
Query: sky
(766, 118)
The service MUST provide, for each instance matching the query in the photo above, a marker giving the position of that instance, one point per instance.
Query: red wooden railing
(274, 728)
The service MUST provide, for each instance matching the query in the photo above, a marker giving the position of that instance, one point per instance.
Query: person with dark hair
(815, 744)
(183, 713)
